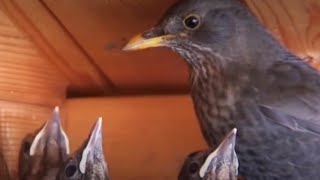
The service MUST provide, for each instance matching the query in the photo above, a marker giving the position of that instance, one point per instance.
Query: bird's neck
(214, 101)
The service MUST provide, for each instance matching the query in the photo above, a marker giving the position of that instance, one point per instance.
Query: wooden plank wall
(145, 137)
(29, 88)
(40, 25)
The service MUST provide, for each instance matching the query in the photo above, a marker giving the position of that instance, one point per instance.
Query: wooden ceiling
(25, 75)
(83, 39)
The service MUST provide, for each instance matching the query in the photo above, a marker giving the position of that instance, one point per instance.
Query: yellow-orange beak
(139, 42)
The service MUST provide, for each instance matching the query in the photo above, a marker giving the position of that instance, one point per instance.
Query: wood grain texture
(296, 23)
(30, 86)
(25, 74)
(57, 45)
(144, 137)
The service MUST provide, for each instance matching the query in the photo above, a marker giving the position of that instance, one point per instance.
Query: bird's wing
(294, 88)
(290, 122)
(303, 105)
(297, 140)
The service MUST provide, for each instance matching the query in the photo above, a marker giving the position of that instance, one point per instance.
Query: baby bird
(43, 152)
(222, 164)
(192, 164)
(88, 162)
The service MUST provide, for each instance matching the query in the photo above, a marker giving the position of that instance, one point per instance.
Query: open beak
(140, 42)
(93, 149)
(51, 132)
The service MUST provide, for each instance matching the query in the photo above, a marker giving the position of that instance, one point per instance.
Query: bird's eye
(70, 170)
(192, 21)
(193, 168)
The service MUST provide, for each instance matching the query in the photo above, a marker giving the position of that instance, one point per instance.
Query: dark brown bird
(43, 152)
(243, 77)
(192, 164)
(88, 162)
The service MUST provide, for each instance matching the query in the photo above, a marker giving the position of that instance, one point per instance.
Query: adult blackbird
(88, 162)
(43, 152)
(243, 77)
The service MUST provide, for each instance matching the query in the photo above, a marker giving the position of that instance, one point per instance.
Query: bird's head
(222, 163)
(43, 152)
(199, 28)
(192, 164)
(88, 162)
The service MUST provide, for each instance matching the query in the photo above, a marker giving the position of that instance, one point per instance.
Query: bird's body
(43, 152)
(243, 77)
(275, 140)
(88, 162)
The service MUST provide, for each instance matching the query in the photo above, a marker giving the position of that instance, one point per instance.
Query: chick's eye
(193, 168)
(70, 170)
(192, 22)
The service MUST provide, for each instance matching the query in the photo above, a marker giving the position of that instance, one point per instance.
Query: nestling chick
(222, 163)
(43, 152)
(192, 164)
(88, 162)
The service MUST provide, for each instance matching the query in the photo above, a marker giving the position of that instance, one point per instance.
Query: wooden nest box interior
(68, 53)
